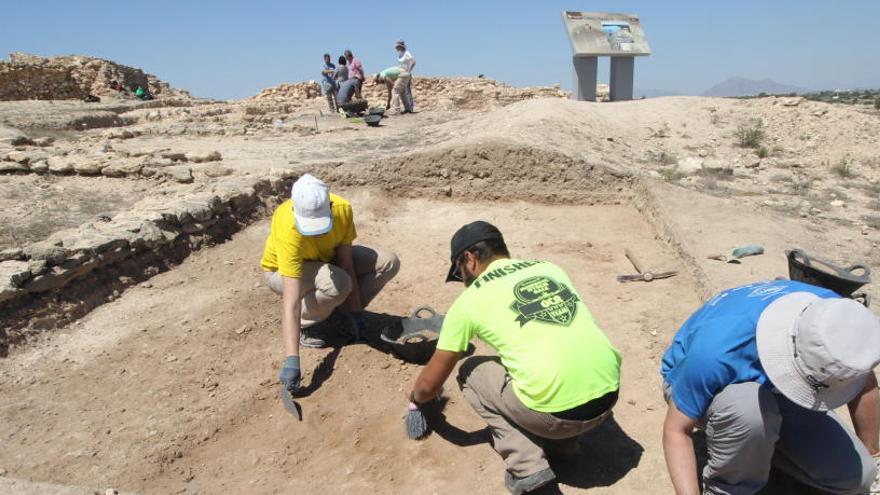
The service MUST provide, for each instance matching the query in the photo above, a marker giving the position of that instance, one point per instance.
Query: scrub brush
(416, 423)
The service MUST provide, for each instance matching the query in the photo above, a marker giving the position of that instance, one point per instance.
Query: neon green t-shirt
(390, 73)
(530, 313)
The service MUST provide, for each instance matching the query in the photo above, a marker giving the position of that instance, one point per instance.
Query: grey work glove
(290, 376)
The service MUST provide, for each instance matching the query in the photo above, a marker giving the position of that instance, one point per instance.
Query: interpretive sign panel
(594, 34)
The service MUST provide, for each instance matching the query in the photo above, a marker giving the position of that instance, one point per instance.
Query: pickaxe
(643, 275)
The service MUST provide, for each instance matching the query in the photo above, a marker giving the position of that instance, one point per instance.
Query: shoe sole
(312, 344)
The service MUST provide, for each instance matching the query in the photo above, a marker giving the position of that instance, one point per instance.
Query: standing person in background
(407, 63)
(355, 71)
(328, 85)
(340, 75)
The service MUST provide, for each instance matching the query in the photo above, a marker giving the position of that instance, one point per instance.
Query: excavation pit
(173, 384)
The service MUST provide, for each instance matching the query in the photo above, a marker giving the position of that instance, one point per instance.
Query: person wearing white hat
(407, 63)
(310, 261)
(760, 369)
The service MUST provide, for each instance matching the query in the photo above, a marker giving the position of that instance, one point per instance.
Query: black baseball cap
(466, 237)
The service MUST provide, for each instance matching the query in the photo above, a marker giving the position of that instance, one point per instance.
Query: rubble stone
(200, 157)
(430, 93)
(89, 167)
(179, 173)
(28, 77)
(122, 168)
(60, 165)
(6, 167)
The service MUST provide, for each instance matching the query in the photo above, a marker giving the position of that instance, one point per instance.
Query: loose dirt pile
(27, 77)
(488, 171)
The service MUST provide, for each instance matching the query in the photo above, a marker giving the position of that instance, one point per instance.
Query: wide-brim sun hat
(818, 352)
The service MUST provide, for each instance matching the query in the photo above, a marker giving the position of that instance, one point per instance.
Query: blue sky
(232, 49)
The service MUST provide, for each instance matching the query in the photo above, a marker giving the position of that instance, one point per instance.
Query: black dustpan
(414, 338)
(816, 271)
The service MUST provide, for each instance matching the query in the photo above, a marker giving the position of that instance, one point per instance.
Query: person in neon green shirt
(556, 375)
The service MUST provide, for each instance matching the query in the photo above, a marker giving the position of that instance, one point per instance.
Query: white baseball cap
(818, 352)
(311, 206)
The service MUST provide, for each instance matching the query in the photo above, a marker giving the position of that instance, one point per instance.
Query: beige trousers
(398, 92)
(519, 434)
(325, 286)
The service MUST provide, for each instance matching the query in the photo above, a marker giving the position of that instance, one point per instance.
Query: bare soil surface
(34, 206)
(173, 388)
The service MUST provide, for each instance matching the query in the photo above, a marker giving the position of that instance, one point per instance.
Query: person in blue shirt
(328, 84)
(760, 368)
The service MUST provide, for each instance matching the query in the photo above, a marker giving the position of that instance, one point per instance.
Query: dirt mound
(27, 77)
(487, 171)
(431, 93)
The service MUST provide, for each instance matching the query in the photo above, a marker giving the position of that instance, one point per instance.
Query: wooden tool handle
(633, 260)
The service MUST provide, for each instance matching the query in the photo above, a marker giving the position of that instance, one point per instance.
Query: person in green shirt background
(396, 82)
(556, 375)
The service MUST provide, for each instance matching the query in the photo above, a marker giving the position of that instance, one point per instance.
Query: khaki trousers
(519, 434)
(398, 91)
(325, 286)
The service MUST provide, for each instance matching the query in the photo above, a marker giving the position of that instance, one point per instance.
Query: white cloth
(407, 62)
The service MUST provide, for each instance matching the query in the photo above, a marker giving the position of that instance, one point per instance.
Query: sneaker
(520, 486)
(312, 339)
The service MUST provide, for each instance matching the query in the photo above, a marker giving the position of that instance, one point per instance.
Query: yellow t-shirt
(286, 248)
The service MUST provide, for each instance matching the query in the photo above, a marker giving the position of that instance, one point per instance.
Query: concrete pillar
(586, 74)
(621, 80)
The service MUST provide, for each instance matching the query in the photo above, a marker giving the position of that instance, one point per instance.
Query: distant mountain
(740, 86)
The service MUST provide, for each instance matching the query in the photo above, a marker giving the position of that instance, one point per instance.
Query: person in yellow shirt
(309, 260)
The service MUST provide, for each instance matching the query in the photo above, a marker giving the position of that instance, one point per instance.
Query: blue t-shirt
(716, 346)
(328, 77)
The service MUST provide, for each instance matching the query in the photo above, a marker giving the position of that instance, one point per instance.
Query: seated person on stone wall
(309, 260)
(142, 94)
(119, 88)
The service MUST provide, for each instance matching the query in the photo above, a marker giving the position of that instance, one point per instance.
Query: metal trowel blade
(291, 405)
